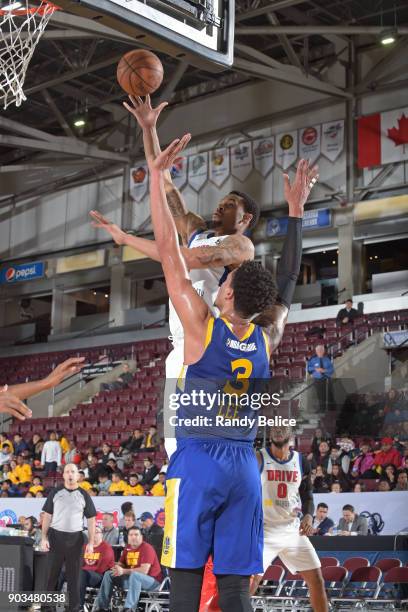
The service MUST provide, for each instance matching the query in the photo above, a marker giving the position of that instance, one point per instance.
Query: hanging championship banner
(332, 139)
(286, 149)
(198, 170)
(309, 143)
(219, 166)
(241, 160)
(178, 172)
(264, 155)
(139, 179)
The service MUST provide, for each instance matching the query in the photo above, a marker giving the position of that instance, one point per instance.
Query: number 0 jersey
(227, 376)
(280, 489)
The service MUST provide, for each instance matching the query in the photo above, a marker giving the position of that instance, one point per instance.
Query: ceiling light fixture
(387, 37)
(80, 122)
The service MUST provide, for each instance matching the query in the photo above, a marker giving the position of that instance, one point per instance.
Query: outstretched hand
(10, 404)
(145, 115)
(297, 193)
(66, 368)
(165, 160)
(101, 222)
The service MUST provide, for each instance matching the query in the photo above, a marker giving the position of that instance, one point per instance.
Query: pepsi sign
(22, 272)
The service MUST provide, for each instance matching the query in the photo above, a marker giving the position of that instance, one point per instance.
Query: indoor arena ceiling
(73, 72)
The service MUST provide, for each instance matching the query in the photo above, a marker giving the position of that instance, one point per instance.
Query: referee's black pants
(66, 547)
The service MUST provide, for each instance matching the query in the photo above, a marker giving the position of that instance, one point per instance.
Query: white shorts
(174, 364)
(294, 550)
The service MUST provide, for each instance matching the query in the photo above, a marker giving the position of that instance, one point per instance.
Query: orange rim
(44, 7)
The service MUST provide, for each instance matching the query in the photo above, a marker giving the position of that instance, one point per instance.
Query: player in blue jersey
(213, 502)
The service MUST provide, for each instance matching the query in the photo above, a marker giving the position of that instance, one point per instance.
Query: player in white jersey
(286, 496)
(209, 253)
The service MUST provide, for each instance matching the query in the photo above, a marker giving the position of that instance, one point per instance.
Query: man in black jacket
(346, 315)
(152, 533)
(321, 522)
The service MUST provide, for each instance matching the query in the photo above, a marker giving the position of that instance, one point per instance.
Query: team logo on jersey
(241, 346)
(166, 545)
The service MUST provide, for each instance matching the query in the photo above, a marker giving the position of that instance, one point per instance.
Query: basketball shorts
(174, 364)
(294, 550)
(213, 507)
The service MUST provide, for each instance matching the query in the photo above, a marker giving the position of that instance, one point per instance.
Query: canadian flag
(383, 138)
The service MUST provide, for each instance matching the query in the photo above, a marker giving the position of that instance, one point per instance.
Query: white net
(21, 27)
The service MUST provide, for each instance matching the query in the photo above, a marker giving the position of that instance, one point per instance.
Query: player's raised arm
(274, 318)
(146, 116)
(232, 251)
(190, 307)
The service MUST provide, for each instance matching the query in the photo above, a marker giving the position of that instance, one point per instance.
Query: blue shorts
(214, 507)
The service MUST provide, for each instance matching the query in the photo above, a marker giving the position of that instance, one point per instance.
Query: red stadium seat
(335, 579)
(272, 581)
(353, 563)
(329, 562)
(364, 582)
(387, 564)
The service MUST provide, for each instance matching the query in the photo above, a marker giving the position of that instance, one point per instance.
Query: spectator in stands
(29, 494)
(335, 487)
(36, 486)
(129, 519)
(19, 444)
(51, 455)
(150, 472)
(346, 315)
(110, 532)
(96, 564)
(321, 369)
(104, 482)
(351, 523)
(82, 482)
(83, 466)
(339, 476)
(165, 465)
(322, 524)
(35, 447)
(338, 456)
(152, 533)
(125, 507)
(152, 440)
(5, 454)
(158, 489)
(363, 464)
(358, 487)
(388, 454)
(122, 382)
(345, 442)
(95, 469)
(132, 445)
(5, 473)
(63, 440)
(134, 487)
(384, 485)
(112, 466)
(39, 494)
(319, 436)
(93, 492)
(107, 454)
(118, 486)
(390, 473)
(402, 481)
(138, 569)
(319, 480)
(10, 489)
(23, 471)
(322, 457)
(30, 525)
(4, 440)
(72, 455)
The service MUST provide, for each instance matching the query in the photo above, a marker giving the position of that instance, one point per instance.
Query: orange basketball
(139, 72)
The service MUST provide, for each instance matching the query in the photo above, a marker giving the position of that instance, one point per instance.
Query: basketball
(140, 72)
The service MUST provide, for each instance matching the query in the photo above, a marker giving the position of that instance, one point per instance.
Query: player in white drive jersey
(209, 253)
(287, 495)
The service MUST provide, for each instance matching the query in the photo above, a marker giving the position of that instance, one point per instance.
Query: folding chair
(363, 585)
(335, 578)
(158, 600)
(329, 562)
(395, 587)
(353, 563)
(385, 565)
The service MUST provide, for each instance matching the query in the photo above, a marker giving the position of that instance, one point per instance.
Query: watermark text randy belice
(222, 421)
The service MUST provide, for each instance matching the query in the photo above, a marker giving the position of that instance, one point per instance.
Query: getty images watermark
(212, 409)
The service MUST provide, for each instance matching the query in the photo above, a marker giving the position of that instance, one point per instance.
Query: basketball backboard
(201, 32)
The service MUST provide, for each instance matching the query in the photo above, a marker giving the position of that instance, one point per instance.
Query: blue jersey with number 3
(230, 366)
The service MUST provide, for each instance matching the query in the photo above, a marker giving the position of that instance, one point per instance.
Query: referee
(62, 532)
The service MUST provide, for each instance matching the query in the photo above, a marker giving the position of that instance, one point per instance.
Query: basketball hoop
(21, 27)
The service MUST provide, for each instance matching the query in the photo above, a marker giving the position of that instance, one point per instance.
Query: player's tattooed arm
(192, 310)
(273, 320)
(186, 222)
(231, 252)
